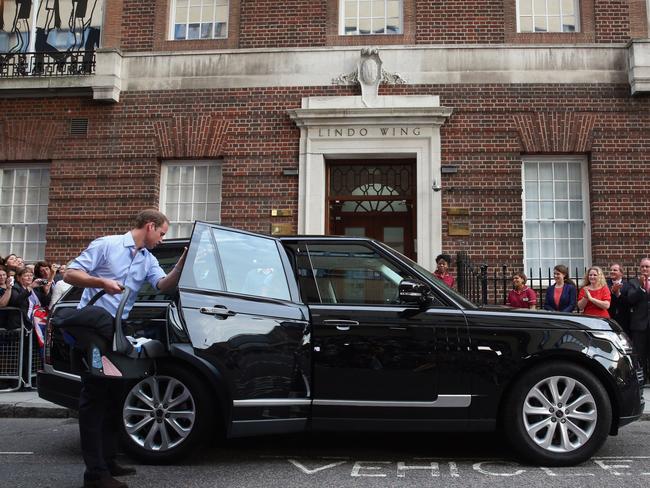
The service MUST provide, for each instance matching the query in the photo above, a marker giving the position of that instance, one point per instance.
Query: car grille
(639, 375)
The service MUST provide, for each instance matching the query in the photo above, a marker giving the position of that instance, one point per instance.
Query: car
(271, 335)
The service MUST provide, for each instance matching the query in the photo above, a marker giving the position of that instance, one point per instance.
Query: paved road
(45, 453)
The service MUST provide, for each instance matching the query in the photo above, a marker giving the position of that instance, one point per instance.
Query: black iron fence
(46, 64)
(486, 285)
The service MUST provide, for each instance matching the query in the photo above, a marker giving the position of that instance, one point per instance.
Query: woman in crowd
(442, 271)
(43, 272)
(22, 296)
(561, 296)
(5, 291)
(521, 296)
(595, 297)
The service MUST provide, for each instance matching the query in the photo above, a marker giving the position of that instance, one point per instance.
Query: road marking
(306, 470)
(16, 453)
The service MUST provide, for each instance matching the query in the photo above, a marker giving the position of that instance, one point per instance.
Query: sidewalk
(27, 404)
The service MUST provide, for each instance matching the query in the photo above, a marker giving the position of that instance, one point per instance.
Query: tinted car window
(354, 273)
(251, 264)
(201, 269)
(167, 255)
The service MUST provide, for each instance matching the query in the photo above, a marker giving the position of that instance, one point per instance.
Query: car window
(227, 260)
(251, 264)
(354, 273)
(201, 269)
(167, 258)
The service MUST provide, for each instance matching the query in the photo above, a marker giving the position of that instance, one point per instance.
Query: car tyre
(165, 416)
(557, 414)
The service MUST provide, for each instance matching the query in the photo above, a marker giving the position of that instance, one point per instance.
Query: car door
(374, 357)
(243, 315)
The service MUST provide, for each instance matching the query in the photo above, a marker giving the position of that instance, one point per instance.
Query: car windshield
(431, 278)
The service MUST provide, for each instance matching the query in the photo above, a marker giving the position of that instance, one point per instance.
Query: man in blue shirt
(108, 264)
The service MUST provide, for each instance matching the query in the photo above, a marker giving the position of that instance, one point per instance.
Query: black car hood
(519, 317)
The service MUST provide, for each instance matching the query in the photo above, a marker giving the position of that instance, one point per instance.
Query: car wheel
(557, 415)
(165, 416)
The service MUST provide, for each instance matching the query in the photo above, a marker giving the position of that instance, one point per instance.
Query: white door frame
(342, 127)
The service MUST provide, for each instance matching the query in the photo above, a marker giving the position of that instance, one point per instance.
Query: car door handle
(218, 311)
(341, 324)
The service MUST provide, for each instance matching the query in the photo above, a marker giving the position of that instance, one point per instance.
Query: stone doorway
(373, 198)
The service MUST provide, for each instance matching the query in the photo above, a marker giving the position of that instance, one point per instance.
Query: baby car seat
(106, 351)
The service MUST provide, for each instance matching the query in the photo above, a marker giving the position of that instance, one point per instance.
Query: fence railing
(486, 285)
(47, 64)
(19, 357)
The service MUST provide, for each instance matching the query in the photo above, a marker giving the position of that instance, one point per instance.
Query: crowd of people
(29, 288)
(625, 301)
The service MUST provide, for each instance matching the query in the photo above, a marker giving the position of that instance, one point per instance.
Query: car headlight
(619, 339)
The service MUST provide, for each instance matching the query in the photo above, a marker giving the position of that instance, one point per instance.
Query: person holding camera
(23, 296)
(43, 275)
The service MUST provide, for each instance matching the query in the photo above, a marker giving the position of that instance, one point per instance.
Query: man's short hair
(150, 215)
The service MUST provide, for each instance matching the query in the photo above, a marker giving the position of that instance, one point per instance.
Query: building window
(548, 16)
(190, 191)
(199, 19)
(362, 17)
(24, 197)
(556, 214)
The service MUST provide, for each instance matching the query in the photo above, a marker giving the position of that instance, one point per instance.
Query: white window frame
(342, 21)
(546, 14)
(41, 243)
(586, 227)
(172, 24)
(193, 163)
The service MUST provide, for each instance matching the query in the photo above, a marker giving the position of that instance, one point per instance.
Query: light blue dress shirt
(115, 258)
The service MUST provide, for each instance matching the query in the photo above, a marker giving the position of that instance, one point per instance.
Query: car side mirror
(414, 292)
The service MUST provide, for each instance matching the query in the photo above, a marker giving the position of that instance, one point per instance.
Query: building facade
(515, 130)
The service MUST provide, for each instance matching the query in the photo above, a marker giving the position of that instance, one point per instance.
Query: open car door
(242, 310)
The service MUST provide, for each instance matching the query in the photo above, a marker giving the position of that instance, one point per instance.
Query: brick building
(517, 130)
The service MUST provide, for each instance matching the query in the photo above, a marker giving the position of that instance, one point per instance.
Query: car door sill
(443, 401)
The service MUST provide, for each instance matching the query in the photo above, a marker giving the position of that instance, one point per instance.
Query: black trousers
(100, 415)
(641, 346)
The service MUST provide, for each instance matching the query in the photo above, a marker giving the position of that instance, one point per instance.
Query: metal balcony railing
(47, 64)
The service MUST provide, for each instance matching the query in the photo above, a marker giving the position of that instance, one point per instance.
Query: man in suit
(638, 296)
(619, 309)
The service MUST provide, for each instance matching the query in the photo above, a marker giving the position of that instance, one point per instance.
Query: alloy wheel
(159, 413)
(560, 414)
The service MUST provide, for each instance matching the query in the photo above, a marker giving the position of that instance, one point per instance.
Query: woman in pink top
(521, 296)
(594, 297)
(442, 272)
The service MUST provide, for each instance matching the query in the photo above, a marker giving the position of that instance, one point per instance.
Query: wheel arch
(183, 354)
(579, 359)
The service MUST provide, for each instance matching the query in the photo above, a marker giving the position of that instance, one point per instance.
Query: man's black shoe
(117, 470)
(106, 482)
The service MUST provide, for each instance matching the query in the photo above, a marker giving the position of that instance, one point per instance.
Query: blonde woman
(594, 298)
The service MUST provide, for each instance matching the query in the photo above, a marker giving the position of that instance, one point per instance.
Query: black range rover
(274, 335)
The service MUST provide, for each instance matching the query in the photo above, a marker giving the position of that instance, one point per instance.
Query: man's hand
(616, 288)
(112, 287)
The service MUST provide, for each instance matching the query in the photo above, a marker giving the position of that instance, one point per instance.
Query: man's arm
(170, 282)
(78, 277)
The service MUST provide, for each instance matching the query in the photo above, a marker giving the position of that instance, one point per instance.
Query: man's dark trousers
(100, 415)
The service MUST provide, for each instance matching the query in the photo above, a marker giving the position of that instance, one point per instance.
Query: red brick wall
(612, 20)
(99, 181)
(138, 25)
(303, 23)
(459, 21)
(291, 23)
